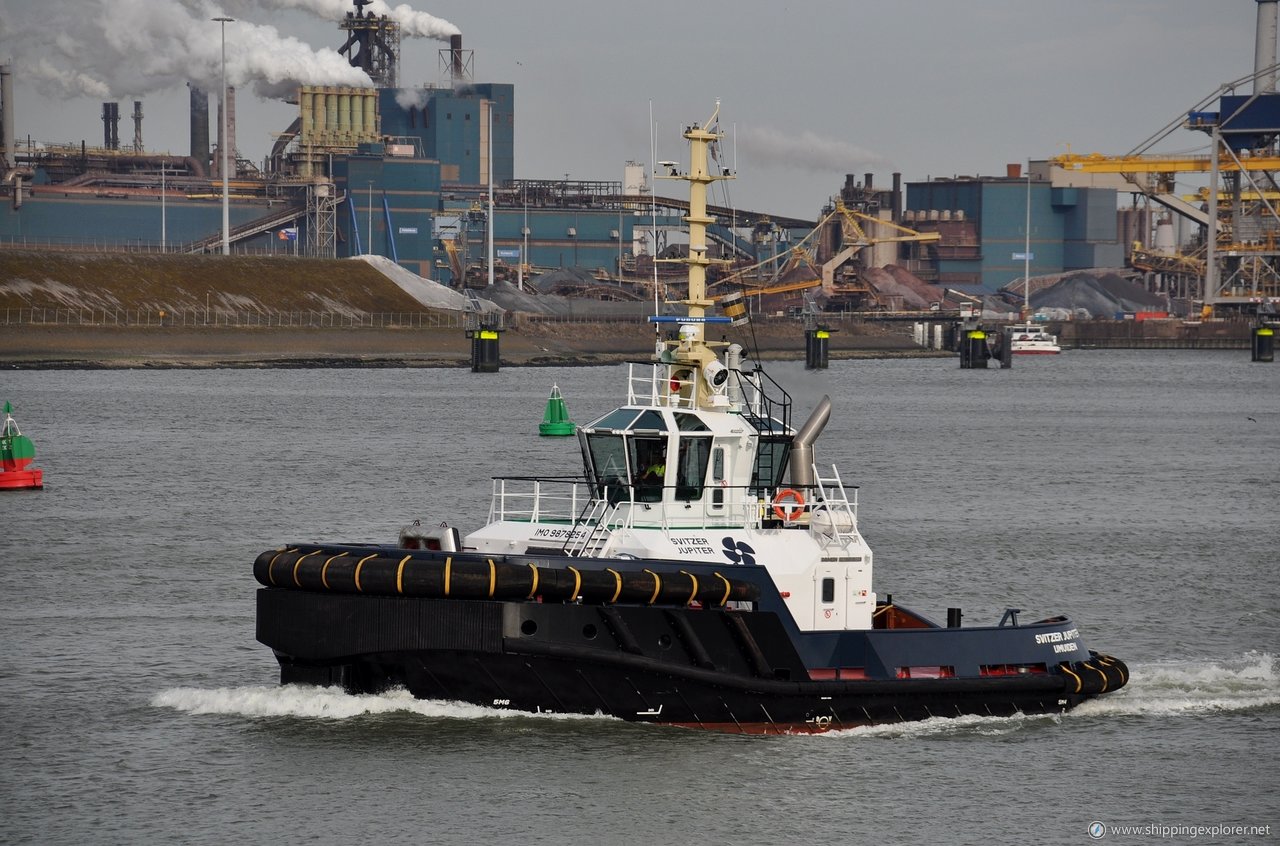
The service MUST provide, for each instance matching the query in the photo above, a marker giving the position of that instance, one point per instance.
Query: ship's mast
(699, 176)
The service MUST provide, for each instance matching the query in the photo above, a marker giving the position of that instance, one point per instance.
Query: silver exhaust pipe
(800, 466)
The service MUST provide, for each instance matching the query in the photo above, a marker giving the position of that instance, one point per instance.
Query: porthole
(664, 641)
(589, 631)
(528, 627)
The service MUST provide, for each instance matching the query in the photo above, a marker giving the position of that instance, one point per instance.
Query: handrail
(569, 502)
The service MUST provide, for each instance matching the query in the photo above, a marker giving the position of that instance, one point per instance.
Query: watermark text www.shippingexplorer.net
(1099, 830)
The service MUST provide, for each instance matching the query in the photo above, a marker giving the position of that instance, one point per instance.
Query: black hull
(727, 670)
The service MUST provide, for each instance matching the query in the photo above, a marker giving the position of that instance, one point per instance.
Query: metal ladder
(597, 516)
(833, 496)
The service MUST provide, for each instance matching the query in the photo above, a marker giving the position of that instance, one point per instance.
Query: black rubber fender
(1116, 671)
(478, 576)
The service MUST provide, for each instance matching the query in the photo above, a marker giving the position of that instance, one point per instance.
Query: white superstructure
(701, 464)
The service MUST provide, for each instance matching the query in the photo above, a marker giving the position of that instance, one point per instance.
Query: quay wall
(1154, 334)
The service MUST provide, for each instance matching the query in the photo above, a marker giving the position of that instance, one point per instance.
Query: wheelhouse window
(608, 464)
(695, 453)
(718, 479)
(649, 467)
(771, 462)
(619, 418)
(687, 422)
(649, 421)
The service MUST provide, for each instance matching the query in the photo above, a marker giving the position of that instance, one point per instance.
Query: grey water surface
(1128, 490)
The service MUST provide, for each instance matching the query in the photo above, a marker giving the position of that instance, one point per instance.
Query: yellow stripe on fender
(533, 588)
(296, 564)
(324, 571)
(657, 585)
(1099, 672)
(271, 577)
(360, 564)
(727, 587)
(400, 574)
(617, 578)
(493, 578)
(1114, 664)
(448, 568)
(1079, 681)
(577, 583)
(694, 593)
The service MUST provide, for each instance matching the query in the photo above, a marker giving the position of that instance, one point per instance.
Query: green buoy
(555, 420)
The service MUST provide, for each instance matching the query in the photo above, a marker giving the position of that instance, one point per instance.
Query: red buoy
(16, 454)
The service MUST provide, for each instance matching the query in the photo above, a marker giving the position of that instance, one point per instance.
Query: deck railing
(561, 503)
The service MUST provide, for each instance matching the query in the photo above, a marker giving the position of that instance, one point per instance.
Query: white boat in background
(1029, 338)
(1032, 339)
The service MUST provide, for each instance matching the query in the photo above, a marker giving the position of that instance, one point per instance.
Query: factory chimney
(111, 126)
(199, 125)
(137, 126)
(1264, 51)
(7, 152)
(455, 57)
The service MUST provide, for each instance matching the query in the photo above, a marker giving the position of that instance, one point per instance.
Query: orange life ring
(788, 495)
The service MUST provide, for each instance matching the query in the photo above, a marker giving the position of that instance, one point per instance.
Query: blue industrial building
(390, 208)
(452, 126)
(427, 185)
(982, 221)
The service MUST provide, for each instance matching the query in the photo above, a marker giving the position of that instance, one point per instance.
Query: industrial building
(982, 221)
(393, 171)
(425, 176)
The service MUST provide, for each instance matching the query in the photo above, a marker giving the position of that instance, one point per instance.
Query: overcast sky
(809, 91)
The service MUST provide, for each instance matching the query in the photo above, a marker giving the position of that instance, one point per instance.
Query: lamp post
(369, 216)
(490, 221)
(524, 234)
(164, 245)
(222, 148)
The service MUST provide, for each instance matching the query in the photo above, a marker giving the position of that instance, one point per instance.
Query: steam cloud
(128, 48)
(416, 24)
(411, 97)
(805, 150)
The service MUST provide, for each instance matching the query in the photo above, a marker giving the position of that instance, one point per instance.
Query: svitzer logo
(739, 552)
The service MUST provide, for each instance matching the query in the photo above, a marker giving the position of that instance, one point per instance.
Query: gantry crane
(1240, 258)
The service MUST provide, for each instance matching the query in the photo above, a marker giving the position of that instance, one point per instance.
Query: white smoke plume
(805, 150)
(128, 48)
(415, 24)
(412, 98)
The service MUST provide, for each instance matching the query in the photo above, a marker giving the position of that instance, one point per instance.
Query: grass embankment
(187, 287)
(182, 283)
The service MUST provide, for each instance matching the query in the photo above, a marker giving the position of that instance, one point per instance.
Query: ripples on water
(1128, 490)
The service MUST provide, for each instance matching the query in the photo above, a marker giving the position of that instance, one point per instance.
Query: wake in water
(1167, 688)
(325, 703)
(1162, 689)
(1170, 688)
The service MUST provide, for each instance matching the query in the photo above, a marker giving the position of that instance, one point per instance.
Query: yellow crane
(1098, 163)
(856, 230)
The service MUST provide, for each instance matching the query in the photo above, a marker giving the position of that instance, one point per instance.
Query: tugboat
(703, 571)
(16, 454)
